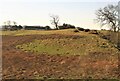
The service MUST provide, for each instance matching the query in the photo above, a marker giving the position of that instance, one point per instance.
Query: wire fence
(114, 37)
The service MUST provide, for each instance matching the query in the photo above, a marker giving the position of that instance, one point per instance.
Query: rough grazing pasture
(58, 54)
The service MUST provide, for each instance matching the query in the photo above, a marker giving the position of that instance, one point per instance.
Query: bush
(47, 27)
(81, 29)
(104, 37)
(76, 30)
(87, 30)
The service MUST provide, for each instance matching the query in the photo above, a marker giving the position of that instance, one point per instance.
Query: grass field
(79, 45)
(33, 32)
(59, 53)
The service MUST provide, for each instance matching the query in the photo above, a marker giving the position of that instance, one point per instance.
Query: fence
(114, 37)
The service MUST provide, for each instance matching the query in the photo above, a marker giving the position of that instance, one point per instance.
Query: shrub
(81, 29)
(76, 30)
(87, 30)
(47, 27)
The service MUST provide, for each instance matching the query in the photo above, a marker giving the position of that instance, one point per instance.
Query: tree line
(12, 25)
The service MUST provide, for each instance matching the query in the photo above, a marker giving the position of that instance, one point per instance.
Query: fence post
(119, 24)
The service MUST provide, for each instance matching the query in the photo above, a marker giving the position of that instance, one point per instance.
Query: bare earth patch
(95, 63)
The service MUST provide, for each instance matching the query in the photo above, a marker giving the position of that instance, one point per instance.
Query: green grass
(68, 46)
(52, 47)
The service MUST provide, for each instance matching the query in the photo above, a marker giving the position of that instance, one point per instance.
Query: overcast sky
(36, 12)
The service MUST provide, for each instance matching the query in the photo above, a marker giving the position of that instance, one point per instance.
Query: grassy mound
(67, 46)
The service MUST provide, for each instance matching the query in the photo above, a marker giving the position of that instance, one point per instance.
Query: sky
(80, 13)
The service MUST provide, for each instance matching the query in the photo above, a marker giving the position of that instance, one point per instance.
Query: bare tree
(55, 20)
(108, 16)
(4, 25)
(15, 23)
(8, 23)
